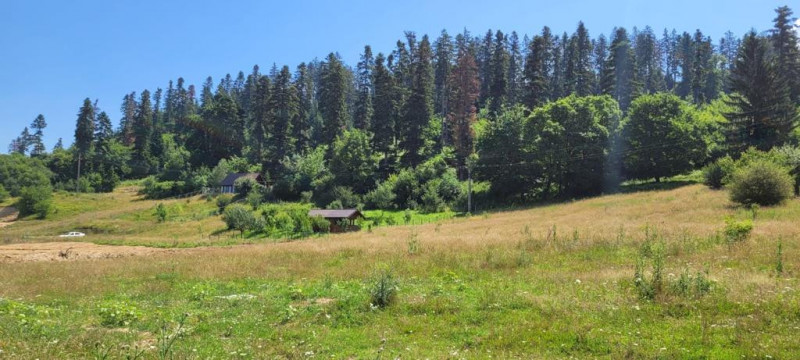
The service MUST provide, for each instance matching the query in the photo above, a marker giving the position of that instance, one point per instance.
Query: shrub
(283, 224)
(238, 217)
(383, 289)
(161, 212)
(761, 182)
(244, 186)
(223, 201)
(382, 197)
(737, 231)
(320, 224)
(35, 200)
(713, 175)
(254, 198)
(346, 197)
(3, 194)
(116, 314)
(431, 201)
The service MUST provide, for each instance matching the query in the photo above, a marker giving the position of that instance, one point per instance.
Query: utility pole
(78, 178)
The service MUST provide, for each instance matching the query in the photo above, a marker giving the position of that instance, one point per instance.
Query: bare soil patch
(68, 251)
(7, 216)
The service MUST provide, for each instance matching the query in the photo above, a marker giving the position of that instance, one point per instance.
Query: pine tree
(443, 64)
(260, 123)
(306, 111)
(619, 73)
(84, 129)
(143, 129)
(484, 60)
(670, 59)
(128, 110)
(685, 54)
(84, 134)
(765, 115)
(599, 60)
(38, 126)
(648, 62)
(284, 105)
(582, 59)
(21, 144)
(386, 113)
(59, 145)
(535, 75)
(362, 114)
(207, 93)
(515, 67)
(463, 97)
(700, 70)
(419, 107)
(498, 89)
(333, 99)
(787, 48)
(103, 128)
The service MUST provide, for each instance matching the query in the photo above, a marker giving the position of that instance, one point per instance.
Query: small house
(228, 185)
(341, 219)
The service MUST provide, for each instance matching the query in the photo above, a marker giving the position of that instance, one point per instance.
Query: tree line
(541, 116)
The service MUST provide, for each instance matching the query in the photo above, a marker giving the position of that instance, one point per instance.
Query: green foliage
(383, 289)
(762, 183)
(118, 314)
(161, 212)
(154, 189)
(244, 186)
(662, 137)
(737, 231)
(36, 200)
(353, 163)
(714, 175)
(18, 171)
(649, 289)
(238, 217)
(382, 197)
(320, 224)
(223, 200)
(4, 195)
(346, 198)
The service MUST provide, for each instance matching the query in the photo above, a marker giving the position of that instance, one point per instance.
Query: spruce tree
(498, 89)
(419, 107)
(443, 64)
(648, 62)
(582, 58)
(128, 110)
(619, 73)
(284, 105)
(38, 126)
(260, 122)
(333, 99)
(536, 85)
(84, 129)
(599, 60)
(306, 111)
(143, 130)
(463, 96)
(484, 59)
(384, 123)
(362, 114)
(765, 115)
(59, 145)
(515, 67)
(787, 50)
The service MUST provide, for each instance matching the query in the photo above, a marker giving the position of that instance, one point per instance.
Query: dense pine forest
(527, 118)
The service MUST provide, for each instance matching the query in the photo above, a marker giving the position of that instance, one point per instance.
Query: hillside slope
(549, 282)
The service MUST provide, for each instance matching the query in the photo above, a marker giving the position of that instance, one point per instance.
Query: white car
(72, 234)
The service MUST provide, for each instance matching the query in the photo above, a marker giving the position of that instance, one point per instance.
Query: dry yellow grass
(523, 284)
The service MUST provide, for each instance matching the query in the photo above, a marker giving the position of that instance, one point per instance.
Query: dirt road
(67, 251)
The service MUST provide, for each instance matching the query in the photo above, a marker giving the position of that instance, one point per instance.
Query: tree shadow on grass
(654, 186)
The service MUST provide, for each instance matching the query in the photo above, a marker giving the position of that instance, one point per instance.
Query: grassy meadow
(554, 281)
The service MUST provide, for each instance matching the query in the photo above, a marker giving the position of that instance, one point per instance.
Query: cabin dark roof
(335, 213)
(232, 177)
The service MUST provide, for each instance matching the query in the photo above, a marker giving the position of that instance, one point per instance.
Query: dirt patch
(8, 215)
(68, 251)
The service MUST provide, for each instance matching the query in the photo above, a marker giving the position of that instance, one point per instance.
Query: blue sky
(56, 53)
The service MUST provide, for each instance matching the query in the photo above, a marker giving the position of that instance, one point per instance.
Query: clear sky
(56, 53)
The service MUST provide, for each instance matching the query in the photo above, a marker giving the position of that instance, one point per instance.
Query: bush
(161, 212)
(35, 200)
(244, 186)
(3, 194)
(238, 217)
(116, 314)
(320, 224)
(223, 201)
(713, 176)
(737, 231)
(382, 197)
(761, 182)
(383, 289)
